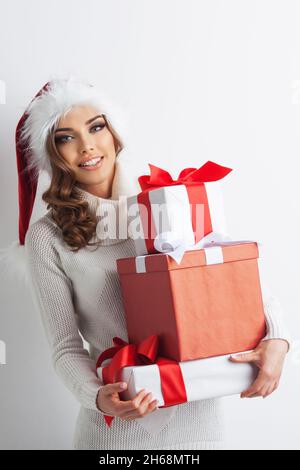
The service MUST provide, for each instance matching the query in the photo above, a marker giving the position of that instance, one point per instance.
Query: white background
(202, 80)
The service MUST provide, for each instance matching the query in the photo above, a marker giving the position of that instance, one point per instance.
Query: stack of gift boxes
(192, 296)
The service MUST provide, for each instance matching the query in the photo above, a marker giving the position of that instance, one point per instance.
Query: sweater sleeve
(52, 295)
(276, 326)
(274, 315)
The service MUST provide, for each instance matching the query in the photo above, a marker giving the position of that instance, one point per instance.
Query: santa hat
(53, 101)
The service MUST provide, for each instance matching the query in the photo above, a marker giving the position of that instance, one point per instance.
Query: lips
(90, 159)
(93, 167)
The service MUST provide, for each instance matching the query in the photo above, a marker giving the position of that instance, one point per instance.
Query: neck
(93, 198)
(112, 213)
(102, 190)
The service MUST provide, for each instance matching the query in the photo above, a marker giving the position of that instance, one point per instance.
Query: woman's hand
(108, 401)
(269, 357)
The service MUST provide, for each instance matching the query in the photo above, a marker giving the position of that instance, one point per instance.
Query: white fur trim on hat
(13, 262)
(125, 182)
(45, 111)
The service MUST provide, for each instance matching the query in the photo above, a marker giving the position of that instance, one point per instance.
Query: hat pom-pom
(13, 261)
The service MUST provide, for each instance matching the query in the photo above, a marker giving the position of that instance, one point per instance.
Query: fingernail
(123, 385)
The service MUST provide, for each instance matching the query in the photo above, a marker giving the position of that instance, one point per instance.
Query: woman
(76, 287)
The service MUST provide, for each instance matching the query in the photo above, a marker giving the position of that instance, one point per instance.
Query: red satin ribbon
(210, 171)
(194, 180)
(144, 353)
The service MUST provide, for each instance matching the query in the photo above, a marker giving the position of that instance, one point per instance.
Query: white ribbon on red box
(170, 244)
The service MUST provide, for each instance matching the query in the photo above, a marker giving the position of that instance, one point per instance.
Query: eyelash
(61, 141)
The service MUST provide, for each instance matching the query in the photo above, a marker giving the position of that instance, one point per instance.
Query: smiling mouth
(93, 163)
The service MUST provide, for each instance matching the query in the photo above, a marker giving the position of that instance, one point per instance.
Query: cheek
(105, 140)
(68, 153)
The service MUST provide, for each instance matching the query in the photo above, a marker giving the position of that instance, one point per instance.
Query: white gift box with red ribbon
(188, 208)
(170, 213)
(203, 378)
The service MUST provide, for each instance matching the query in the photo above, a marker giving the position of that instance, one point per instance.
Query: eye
(64, 138)
(60, 140)
(99, 125)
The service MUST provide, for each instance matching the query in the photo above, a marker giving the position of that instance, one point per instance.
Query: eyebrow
(87, 122)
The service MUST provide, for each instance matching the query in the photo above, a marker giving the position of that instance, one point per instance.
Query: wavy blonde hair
(68, 210)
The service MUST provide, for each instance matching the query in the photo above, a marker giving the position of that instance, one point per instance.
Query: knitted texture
(79, 294)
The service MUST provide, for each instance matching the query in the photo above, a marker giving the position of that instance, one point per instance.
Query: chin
(96, 175)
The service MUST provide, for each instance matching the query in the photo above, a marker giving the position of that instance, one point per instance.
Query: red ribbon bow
(210, 171)
(144, 353)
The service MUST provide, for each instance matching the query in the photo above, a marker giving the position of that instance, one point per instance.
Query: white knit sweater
(80, 292)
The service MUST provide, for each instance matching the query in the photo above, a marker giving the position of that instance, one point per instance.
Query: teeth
(91, 162)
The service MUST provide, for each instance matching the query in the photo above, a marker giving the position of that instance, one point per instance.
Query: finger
(244, 357)
(249, 391)
(270, 390)
(145, 407)
(267, 389)
(133, 404)
(117, 387)
(260, 381)
(261, 391)
(143, 404)
(151, 407)
(146, 402)
(252, 394)
(254, 389)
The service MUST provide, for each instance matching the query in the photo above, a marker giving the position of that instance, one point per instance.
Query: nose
(87, 148)
(87, 145)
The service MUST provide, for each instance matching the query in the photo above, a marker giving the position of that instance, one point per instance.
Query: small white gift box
(203, 378)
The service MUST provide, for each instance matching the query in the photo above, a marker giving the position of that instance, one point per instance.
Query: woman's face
(82, 136)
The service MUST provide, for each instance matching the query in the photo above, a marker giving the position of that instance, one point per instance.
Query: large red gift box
(208, 305)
